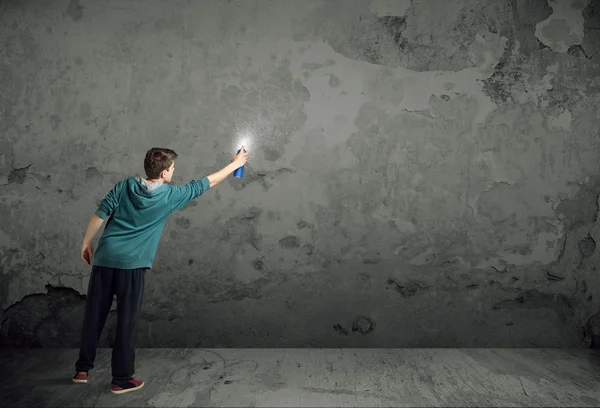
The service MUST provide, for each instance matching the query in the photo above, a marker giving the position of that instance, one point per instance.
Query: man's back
(136, 211)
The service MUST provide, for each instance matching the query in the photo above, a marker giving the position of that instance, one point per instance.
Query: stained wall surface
(421, 173)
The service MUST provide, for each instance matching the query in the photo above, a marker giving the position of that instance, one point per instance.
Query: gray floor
(313, 377)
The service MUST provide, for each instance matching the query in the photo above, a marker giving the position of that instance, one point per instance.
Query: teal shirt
(135, 218)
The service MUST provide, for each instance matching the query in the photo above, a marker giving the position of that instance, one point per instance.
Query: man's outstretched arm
(182, 195)
(219, 176)
(87, 253)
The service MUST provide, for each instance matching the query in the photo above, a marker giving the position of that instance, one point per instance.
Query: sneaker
(126, 386)
(81, 377)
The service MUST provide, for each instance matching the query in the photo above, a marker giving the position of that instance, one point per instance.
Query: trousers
(104, 284)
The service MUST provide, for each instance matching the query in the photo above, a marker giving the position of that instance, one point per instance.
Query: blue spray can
(239, 172)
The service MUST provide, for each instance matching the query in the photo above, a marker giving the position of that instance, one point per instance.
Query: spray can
(239, 172)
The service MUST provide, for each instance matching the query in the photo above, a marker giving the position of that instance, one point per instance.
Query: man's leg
(129, 287)
(99, 299)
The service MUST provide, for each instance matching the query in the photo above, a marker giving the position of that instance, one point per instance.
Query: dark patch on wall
(56, 121)
(522, 20)
(74, 10)
(309, 249)
(289, 242)
(395, 26)
(583, 286)
(243, 228)
(498, 86)
(334, 81)
(18, 176)
(407, 289)
(6, 275)
(577, 51)
(592, 328)
(259, 264)
(183, 222)
(399, 41)
(91, 173)
(591, 29)
(251, 214)
(254, 238)
(587, 246)
(363, 325)
(51, 319)
(553, 277)
(303, 224)
(581, 209)
(340, 329)
(273, 153)
(534, 299)
(519, 26)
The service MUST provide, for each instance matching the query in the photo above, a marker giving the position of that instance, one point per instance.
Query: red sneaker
(80, 377)
(127, 386)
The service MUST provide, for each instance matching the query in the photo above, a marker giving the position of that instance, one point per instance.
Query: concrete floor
(313, 377)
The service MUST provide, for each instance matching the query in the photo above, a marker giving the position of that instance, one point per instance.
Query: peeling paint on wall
(564, 27)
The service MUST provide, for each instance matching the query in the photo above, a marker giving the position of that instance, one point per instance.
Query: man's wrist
(232, 167)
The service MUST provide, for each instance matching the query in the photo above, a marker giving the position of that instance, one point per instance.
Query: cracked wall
(418, 177)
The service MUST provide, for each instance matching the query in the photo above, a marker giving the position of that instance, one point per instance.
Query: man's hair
(158, 159)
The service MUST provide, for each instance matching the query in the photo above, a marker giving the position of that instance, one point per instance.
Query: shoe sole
(80, 381)
(128, 389)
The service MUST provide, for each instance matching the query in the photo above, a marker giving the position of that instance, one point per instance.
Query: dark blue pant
(128, 285)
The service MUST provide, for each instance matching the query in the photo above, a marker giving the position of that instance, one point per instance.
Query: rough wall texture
(419, 176)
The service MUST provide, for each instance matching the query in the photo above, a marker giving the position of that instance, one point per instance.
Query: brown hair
(158, 159)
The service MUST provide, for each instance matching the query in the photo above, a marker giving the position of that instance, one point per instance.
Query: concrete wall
(422, 173)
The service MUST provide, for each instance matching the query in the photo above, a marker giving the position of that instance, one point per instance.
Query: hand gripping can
(239, 172)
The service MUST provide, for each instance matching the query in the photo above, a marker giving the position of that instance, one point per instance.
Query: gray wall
(422, 173)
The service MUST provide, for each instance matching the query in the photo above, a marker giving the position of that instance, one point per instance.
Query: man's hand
(87, 253)
(241, 158)
(238, 161)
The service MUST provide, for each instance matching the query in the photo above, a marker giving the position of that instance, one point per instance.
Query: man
(136, 210)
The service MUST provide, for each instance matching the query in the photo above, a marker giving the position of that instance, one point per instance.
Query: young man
(135, 210)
